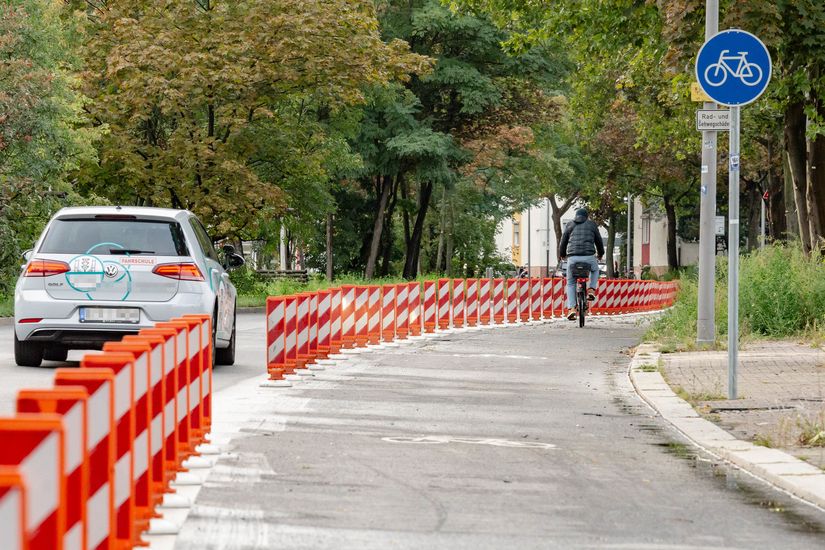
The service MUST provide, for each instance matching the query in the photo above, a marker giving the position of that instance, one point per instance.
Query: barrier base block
(352, 351)
(175, 501)
(277, 383)
(327, 362)
(292, 377)
(188, 478)
(315, 367)
(391, 344)
(208, 449)
(197, 462)
(303, 373)
(163, 527)
(338, 356)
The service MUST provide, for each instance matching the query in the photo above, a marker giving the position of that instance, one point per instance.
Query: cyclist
(581, 243)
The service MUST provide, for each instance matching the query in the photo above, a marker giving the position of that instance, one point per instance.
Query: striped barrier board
(374, 315)
(13, 502)
(472, 302)
(499, 303)
(535, 299)
(70, 403)
(524, 300)
(122, 366)
(348, 316)
(512, 300)
(275, 337)
(388, 313)
(443, 300)
(34, 445)
(547, 298)
(484, 301)
(459, 298)
(335, 336)
(362, 297)
(324, 322)
(430, 306)
(415, 309)
(402, 311)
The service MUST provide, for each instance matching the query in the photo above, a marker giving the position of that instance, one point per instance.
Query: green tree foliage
(40, 112)
(219, 106)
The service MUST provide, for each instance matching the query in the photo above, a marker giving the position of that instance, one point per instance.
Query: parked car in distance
(99, 273)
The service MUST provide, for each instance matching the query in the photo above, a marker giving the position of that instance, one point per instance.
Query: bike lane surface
(515, 437)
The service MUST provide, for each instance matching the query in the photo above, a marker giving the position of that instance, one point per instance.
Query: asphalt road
(249, 362)
(513, 438)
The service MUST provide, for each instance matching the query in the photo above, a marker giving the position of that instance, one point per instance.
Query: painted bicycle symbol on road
(749, 74)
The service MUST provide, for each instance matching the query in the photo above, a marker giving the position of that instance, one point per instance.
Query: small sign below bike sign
(733, 68)
(713, 120)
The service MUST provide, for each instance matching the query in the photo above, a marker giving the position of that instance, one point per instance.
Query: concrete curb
(772, 466)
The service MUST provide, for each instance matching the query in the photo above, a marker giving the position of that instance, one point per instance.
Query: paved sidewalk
(781, 394)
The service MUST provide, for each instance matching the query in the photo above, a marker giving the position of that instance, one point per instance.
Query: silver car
(98, 273)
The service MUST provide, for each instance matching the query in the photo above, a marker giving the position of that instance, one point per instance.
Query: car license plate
(109, 315)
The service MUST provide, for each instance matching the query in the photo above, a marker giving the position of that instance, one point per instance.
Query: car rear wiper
(128, 251)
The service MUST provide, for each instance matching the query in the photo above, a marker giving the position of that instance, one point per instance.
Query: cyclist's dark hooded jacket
(581, 237)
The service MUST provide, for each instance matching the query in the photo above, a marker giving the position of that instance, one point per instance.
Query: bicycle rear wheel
(581, 298)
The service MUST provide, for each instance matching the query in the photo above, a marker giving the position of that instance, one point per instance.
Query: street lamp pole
(706, 319)
(629, 243)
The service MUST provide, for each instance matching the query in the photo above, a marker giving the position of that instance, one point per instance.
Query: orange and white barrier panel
(84, 464)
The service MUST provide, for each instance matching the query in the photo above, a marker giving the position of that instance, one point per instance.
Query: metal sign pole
(733, 253)
(629, 241)
(706, 316)
(762, 224)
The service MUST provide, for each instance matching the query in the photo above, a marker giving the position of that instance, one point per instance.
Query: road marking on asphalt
(440, 439)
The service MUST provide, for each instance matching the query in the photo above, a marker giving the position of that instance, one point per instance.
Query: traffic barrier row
(305, 327)
(84, 464)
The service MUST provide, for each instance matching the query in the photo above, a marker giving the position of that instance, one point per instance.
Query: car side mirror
(28, 254)
(234, 261)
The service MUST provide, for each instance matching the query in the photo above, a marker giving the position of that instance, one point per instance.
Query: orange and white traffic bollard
(374, 315)
(559, 296)
(335, 335)
(458, 303)
(71, 404)
(547, 298)
(275, 335)
(524, 300)
(484, 303)
(472, 302)
(362, 295)
(512, 300)
(348, 316)
(535, 299)
(499, 306)
(122, 366)
(324, 322)
(302, 331)
(414, 290)
(100, 387)
(430, 307)
(402, 311)
(13, 504)
(34, 444)
(185, 445)
(387, 313)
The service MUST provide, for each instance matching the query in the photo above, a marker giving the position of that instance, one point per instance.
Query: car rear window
(103, 237)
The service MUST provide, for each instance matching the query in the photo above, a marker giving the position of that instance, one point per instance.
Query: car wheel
(27, 354)
(55, 354)
(226, 356)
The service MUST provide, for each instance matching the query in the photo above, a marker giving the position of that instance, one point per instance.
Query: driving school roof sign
(733, 68)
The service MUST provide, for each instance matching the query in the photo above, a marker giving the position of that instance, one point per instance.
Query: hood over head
(581, 215)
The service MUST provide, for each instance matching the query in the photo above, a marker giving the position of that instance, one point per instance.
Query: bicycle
(750, 74)
(581, 272)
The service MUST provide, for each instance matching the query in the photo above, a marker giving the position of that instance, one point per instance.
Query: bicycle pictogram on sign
(750, 74)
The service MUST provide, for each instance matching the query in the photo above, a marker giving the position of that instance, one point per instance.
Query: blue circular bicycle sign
(733, 68)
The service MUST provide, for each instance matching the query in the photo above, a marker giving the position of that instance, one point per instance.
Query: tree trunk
(558, 212)
(791, 218)
(448, 257)
(611, 244)
(389, 241)
(795, 151)
(775, 209)
(816, 190)
(330, 220)
(754, 209)
(442, 225)
(406, 213)
(385, 187)
(414, 250)
(672, 255)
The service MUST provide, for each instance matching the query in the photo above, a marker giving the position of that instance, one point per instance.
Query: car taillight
(46, 268)
(183, 272)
